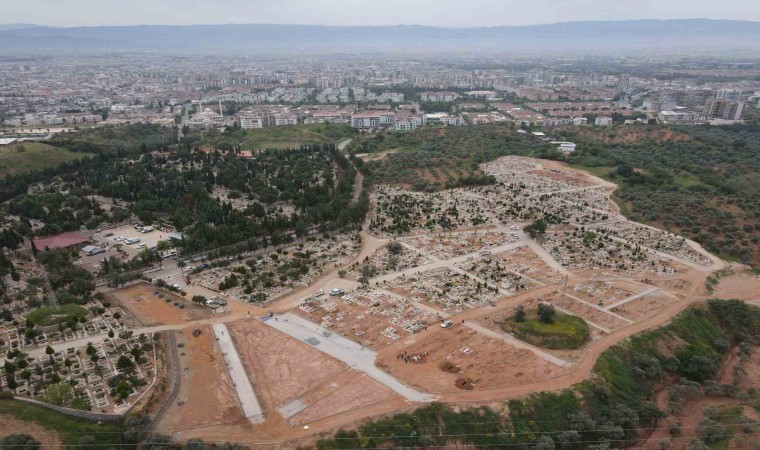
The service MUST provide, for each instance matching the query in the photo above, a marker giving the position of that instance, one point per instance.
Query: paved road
(247, 397)
(351, 353)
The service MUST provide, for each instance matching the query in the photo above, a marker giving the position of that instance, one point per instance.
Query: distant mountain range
(602, 36)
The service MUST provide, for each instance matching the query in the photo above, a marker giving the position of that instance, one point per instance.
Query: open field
(460, 358)
(44, 436)
(32, 156)
(46, 316)
(296, 382)
(202, 370)
(144, 302)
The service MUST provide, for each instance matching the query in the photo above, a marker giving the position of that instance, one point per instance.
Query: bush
(710, 430)
(546, 313)
(19, 442)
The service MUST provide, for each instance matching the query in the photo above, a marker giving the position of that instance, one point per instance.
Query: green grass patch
(71, 430)
(566, 332)
(32, 156)
(289, 136)
(46, 316)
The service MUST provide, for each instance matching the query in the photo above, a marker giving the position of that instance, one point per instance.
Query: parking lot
(109, 238)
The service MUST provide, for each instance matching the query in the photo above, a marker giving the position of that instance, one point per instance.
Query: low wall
(78, 413)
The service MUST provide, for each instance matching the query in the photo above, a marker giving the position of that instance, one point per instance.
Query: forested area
(612, 411)
(704, 185)
(277, 192)
(433, 158)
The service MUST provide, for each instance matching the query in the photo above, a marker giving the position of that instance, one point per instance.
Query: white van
(131, 241)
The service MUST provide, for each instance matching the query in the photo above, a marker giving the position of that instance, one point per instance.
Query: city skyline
(364, 13)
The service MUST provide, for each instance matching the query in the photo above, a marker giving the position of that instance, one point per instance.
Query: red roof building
(62, 240)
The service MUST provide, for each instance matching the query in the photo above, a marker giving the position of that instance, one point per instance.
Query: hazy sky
(450, 13)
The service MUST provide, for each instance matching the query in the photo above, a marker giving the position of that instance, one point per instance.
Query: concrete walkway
(351, 353)
(247, 397)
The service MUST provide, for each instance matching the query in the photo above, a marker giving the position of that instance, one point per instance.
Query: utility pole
(564, 290)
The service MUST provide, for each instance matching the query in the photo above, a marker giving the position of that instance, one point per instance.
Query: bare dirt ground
(350, 391)
(644, 306)
(205, 389)
(459, 353)
(141, 301)
(281, 368)
(48, 439)
(284, 370)
(741, 286)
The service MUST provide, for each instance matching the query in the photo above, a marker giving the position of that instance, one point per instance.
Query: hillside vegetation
(437, 157)
(701, 182)
(28, 157)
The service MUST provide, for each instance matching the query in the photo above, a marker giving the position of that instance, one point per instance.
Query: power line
(509, 444)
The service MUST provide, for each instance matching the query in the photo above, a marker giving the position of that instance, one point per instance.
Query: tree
(537, 227)
(546, 313)
(125, 364)
(520, 314)
(49, 350)
(19, 442)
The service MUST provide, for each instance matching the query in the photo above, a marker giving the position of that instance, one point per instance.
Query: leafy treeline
(195, 191)
(316, 180)
(107, 143)
(704, 187)
(607, 412)
(451, 153)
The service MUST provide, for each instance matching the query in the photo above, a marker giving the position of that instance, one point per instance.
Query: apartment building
(372, 119)
(439, 96)
(723, 109)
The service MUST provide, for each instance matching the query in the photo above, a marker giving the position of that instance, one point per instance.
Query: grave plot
(462, 358)
(603, 293)
(510, 164)
(571, 177)
(579, 249)
(445, 289)
(494, 271)
(396, 211)
(265, 277)
(645, 306)
(107, 376)
(533, 183)
(586, 311)
(367, 317)
(394, 257)
(663, 241)
(450, 245)
(525, 261)
(596, 198)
